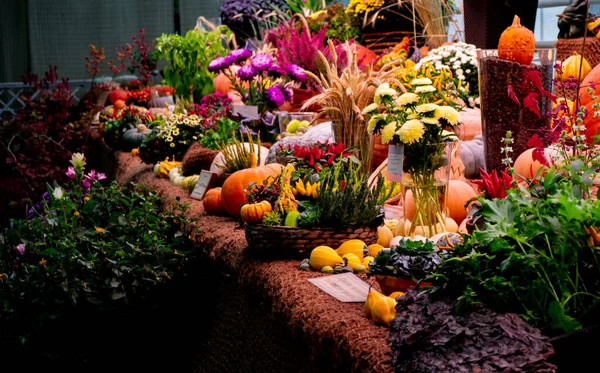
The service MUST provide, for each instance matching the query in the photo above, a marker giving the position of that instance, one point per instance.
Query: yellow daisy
(387, 133)
(448, 113)
(411, 131)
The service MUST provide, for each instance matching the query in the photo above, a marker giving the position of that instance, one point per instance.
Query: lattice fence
(10, 94)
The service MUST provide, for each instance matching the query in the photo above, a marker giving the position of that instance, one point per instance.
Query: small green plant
(238, 155)
(223, 133)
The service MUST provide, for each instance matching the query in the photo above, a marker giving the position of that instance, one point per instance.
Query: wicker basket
(279, 243)
(566, 47)
(379, 42)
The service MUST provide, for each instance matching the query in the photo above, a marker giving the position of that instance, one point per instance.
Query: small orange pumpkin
(570, 67)
(591, 121)
(525, 165)
(459, 193)
(233, 188)
(517, 43)
(213, 203)
(255, 212)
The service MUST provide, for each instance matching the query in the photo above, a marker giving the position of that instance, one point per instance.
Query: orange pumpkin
(591, 122)
(527, 167)
(459, 193)
(233, 188)
(213, 203)
(222, 84)
(255, 212)
(364, 55)
(517, 43)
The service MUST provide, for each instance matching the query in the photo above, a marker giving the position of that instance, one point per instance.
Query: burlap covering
(268, 317)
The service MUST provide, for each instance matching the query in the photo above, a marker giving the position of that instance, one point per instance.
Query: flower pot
(391, 284)
(300, 96)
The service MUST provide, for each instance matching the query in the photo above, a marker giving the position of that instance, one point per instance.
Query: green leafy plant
(409, 259)
(238, 155)
(223, 133)
(87, 244)
(338, 23)
(537, 254)
(187, 60)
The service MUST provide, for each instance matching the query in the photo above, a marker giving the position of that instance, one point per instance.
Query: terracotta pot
(380, 152)
(301, 95)
(390, 284)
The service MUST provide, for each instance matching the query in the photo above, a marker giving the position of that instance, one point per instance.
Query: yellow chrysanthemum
(411, 131)
(172, 145)
(425, 88)
(430, 120)
(448, 113)
(371, 108)
(408, 98)
(387, 133)
(426, 108)
(421, 81)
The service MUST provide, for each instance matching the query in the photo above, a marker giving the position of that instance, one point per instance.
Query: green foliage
(346, 199)
(237, 155)
(338, 22)
(223, 133)
(187, 60)
(409, 259)
(102, 246)
(272, 219)
(534, 257)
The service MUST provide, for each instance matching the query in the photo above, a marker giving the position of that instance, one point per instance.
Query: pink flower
(95, 176)
(71, 173)
(86, 183)
(20, 249)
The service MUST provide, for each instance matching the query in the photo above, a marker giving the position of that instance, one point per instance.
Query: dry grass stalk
(344, 95)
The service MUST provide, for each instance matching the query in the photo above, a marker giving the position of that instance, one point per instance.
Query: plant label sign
(205, 181)
(345, 287)
(245, 111)
(395, 163)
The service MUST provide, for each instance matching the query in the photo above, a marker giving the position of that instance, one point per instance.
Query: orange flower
(86, 198)
(43, 263)
(99, 230)
(76, 213)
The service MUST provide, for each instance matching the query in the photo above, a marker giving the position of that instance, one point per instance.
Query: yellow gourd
(367, 260)
(374, 249)
(323, 256)
(402, 228)
(353, 260)
(383, 310)
(570, 66)
(163, 168)
(396, 294)
(255, 212)
(371, 298)
(356, 247)
(384, 235)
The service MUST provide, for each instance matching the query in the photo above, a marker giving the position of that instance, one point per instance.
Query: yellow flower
(408, 98)
(387, 133)
(374, 120)
(426, 108)
(425, 88)
(421, 81)
(86, 198)
(43, 263)
(99, 230)
(169, 139)
(76, 213)
(371, 108)
(3, 275)
(430, 120)
(411, 131)
(449, 114)
(135, 152)
(172, 145)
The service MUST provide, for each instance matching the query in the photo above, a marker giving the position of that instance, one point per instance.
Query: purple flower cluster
(275, 95)
(296, 72)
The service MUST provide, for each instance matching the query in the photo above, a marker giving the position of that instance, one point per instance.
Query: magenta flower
(71, 173)
(95, 176)
(86, 183)
(296, 72)
(20, 249)
(287, 93)
(239, 55)
(276, 71)
(275, 95)
(218, 64)
(247, 72)
(261, 61)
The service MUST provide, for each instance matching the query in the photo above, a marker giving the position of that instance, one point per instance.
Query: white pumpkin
(178, 180)
(174, 173)
(264, 152)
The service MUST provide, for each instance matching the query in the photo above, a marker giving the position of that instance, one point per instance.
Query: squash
(383, 310)
(323, 256)
(255, 212)
(451, 225)
(459, 193)
(396, 294)
(374, 249)
(591, 122)
(118, 94)
(517, 43)
(569, 114)
(384, 235)
(367, 260)
(402, 228)
(470, 126)
(178, 180)
(356, 247)
(220, 160)
(213, 202)
(162, 169)
(364, 56)
(135, 136)
(525, 165)
(570, 67)
(135, 152)
(189, 182)
(234, 187)
(371, 299)
(471, 154)
(353, 260)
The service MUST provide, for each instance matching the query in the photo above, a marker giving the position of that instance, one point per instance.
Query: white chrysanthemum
(426, 108)
(430, 120)
(425, 88)
(421, 81)
(387, 133)
(370, 108)
(374, 120)
(408, 98)
(411, 131)
(448, 135)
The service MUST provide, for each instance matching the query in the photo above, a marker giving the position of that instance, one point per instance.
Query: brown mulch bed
(269, 308)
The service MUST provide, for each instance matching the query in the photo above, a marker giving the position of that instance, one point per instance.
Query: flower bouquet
(420, 134)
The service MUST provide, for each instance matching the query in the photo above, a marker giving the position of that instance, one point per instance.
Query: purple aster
(276, 71)
(86, 183)
(296, 72)
(218, 64)
(71, 173)
(261, 61)
(288, 93)
(275, 95)
(239, 55)
(246, 72)
(20, 249)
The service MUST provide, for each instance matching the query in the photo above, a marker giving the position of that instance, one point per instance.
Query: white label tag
(345, 287)
(203, 184)
(395, 163)
(245, 111)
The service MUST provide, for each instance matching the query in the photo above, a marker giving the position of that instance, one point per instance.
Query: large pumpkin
(592, 122)
(222, 84)
(527, 167)
(471, 154)
(517, 43)
(459, 193)
(213, 203)
(233, 191)
(470, 126)
(364, 56)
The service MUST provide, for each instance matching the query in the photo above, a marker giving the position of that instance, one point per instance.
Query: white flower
(369, 109)
(468, 71)
(449, 135)
(408, 98)
(421, 81)
(58, 193)
(382, 91)
(426, 108)
(425, 88)
(459, 72)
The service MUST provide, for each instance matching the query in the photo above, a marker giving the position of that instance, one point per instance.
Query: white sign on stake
(345, 287)
(205, 181)
(245, 110)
